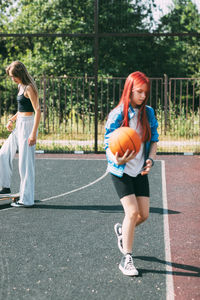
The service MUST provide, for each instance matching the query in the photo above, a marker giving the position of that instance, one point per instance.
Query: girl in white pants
(22, 138)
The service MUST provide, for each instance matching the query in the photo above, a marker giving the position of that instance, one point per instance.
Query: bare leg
(136, 212)
(131, 211)
(143, 206)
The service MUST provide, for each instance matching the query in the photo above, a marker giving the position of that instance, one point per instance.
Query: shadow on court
(65, 248)
(192, 271)
(100, 208)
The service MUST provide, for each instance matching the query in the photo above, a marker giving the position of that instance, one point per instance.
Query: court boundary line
(68, 158)
(169, 275)
(77, 189)
(69, 192)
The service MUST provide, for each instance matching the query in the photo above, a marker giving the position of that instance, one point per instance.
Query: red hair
(136, 79)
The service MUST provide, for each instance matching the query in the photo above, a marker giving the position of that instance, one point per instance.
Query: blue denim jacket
(114, 121)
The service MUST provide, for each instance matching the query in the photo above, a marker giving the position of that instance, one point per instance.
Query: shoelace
(129, 263)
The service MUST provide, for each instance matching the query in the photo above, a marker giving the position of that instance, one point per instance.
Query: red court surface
(183, 195)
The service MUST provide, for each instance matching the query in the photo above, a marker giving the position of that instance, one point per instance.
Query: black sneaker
(5, 191)
(118, 231)
(127, 267)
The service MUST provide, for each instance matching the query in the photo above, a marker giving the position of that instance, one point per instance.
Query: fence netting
(80, 53)
(68, 111)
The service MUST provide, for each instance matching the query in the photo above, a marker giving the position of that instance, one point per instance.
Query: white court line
(169, 277)
(68, 158)
(70, 192)
(76, 190)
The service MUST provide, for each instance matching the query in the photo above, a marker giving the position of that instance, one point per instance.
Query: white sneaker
(19, 204)
(127, 267)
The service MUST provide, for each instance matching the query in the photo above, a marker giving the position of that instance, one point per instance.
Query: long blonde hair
(18, 69)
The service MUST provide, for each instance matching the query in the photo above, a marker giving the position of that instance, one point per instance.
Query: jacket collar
(131, 112)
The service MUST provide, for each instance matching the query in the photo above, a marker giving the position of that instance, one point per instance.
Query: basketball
(124, 138)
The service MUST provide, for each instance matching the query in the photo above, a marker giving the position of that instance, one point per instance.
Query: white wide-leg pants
(18, 139)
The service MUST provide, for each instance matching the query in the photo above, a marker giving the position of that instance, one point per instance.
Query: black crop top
(24, 104)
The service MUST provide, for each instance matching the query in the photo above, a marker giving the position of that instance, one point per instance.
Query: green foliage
(178, 125)
(181, 134)
(55, 56)
(118, 56)
(75, 56)
(182, 53)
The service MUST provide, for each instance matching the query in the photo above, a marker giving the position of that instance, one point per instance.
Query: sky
(165, 4)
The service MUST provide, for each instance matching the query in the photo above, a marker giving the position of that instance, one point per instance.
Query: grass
(181, 133)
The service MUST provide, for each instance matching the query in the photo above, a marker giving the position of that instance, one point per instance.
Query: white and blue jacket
(114, 121)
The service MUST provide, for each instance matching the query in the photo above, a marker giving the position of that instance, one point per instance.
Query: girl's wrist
(152, 161)
(10, 120)
(33, 134)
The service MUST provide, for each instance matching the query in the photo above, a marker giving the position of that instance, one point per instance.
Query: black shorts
(127, 185)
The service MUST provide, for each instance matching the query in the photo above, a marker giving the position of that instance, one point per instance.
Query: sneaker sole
(128, 273)
(21, 205)
(115, 228)
(119, 238)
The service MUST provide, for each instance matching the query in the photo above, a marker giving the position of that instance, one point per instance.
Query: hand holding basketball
(125, 158)
(124, 141)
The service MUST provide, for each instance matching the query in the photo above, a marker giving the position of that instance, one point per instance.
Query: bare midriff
(25, 114)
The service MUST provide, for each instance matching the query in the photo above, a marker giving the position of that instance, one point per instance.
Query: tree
(120, 56)
(182, 54)
(72, 56)
(51, 55)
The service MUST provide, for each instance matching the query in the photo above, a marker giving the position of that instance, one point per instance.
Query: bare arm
(152, 155)
(9, 125)
(36, 106)
(153, 149)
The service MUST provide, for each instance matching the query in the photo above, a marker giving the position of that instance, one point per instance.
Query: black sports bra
(24, 104)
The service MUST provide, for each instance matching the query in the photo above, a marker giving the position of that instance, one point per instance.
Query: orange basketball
(124, 138)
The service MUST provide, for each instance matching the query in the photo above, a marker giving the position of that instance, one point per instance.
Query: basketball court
(65, 247)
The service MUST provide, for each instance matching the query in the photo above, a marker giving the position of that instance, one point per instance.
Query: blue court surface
(65, 247)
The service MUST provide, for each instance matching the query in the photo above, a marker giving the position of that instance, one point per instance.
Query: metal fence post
(44, 102)
(165, 100)
(96, 58)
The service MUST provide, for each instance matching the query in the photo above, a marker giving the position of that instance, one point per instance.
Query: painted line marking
(66, 158)
(188, 153)
(169, 275)
(70, 192)
(76, 190)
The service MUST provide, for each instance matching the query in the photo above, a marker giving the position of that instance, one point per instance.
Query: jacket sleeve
(154, 133)
(114, 121)
(153, 124)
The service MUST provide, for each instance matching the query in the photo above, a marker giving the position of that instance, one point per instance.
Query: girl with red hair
(130, 172)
